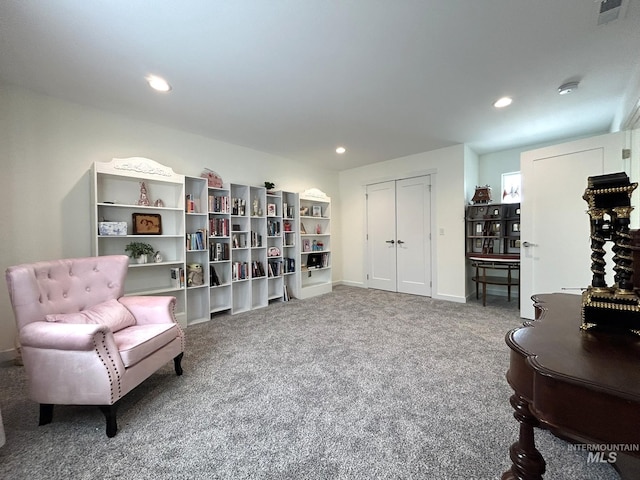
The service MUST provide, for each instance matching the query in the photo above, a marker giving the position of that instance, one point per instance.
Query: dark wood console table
(508, 263)
(582, 386)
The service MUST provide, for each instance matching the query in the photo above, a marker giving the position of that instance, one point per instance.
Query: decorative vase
(142, 258)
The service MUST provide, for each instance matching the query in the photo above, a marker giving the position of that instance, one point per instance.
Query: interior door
(555, 249)
(381, 235)
(399, 236)
(413, 237)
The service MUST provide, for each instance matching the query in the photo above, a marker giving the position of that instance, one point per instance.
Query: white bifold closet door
(399, 235)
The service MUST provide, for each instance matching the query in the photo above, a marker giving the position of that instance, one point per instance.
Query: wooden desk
(482, 264)
(582, 386)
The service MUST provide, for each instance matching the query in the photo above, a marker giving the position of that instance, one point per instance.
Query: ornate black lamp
(616, 306)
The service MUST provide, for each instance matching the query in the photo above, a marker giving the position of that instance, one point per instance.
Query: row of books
(285, 293)
(273, 228)
(177, 277)
(218, 204)
(257, 270)
(240, 270)
(219, 251)
(238, 206)
(281, 266)
(219, 227)
(214, 279)
(256, 239)
(197, 240)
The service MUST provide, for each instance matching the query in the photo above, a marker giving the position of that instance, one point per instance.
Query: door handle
(528, 244)
(400, 242)
(390, 241)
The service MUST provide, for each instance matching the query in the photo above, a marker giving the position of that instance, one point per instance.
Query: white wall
(493, 165)
(47, 147)
(448, 199)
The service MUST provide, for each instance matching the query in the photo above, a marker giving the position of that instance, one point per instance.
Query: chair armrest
(62, 336)
(150, 309)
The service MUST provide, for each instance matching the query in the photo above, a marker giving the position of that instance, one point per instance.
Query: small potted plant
(269, 186)
(139, 251)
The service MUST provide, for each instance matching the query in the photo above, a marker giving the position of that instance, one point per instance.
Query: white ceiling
(296, 78)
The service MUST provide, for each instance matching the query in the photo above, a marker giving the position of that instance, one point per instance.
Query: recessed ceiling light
(341, 150)
(503, 102)
(567, 88)
(158, 83)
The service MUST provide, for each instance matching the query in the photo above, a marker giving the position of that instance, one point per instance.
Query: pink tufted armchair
(83, 342)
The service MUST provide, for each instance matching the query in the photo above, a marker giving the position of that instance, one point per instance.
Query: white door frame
(611, 146)
(432, 173)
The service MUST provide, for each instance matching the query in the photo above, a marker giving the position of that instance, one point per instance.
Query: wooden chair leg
(109, 412)
(46, 413)
(177, 362)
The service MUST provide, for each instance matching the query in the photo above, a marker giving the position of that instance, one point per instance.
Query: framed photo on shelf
(317, 211)
(271, 210)
(147, 224)
(306, 245)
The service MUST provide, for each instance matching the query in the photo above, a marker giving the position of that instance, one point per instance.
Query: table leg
(477, 282)
(509, 283)
(484, 287)
(528, 463)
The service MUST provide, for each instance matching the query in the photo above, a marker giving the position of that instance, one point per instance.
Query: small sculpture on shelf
(144, 197)
(616, 306)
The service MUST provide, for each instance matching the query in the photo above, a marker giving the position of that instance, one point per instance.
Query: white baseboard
(8, 355)
(449, 298)
(350, 284)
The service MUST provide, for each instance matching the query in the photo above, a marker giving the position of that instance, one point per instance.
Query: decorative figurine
(158, 203)
(482, 195)
(616, 306)
(194, 275)
(157, 257)
(144, 198)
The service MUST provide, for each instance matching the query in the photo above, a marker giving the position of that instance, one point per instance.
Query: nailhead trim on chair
(108, 369)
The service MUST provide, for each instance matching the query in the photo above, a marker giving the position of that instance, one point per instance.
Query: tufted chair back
(64, 286)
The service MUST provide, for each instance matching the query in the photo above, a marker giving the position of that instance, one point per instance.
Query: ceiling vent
(611, 10)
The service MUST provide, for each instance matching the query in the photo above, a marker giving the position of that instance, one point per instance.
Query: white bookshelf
(290, 243)
(246, 242)
(314, 243)
(219, 213)
(116, 193)
(196, 249)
